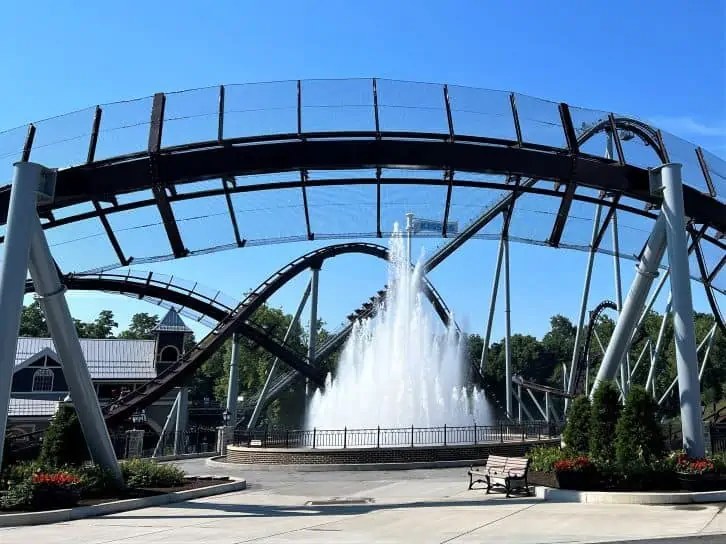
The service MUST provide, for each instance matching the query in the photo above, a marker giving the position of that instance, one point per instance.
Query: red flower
(575, 464)
(694, 466)
(55, 479)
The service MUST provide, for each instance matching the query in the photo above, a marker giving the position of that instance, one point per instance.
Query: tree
(577, 432)
(32, 321)
(141, 327)
(638, 434)
(63, 441)
(605, 412)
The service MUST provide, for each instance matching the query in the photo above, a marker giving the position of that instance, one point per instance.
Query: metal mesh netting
(339, 203)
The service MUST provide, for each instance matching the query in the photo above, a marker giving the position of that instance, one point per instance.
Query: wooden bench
(507, 472)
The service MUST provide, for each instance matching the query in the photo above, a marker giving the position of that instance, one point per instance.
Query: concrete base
(68, 514)
(221, 462)
(628, 497)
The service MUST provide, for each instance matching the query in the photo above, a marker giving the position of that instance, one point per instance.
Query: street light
(138, 417)
(226, 417)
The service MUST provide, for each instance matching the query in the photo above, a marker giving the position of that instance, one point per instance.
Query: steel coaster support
(624, 365)
(263, 393)
(182, 410)
(521, 405)
(492, 306)
(507, 332)
(646, 349)
(683, 325)
(537, 404)
(409, 234)
(233, 382)
(548, 409)
(27, 188)
(169, 418)
(650, 381)
(646, 271)
(583, 303)
(313, 340)
(708, 342)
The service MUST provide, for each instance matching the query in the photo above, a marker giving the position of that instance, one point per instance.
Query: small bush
(638, 435)
(577, 431)
(604, 415)
(141, 473)
(574, 464)
(19, 496)
(543, 458)
(63, 442)
(95, 481)
(42, 491)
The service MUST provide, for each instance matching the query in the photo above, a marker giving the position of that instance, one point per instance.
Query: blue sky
(658, 60)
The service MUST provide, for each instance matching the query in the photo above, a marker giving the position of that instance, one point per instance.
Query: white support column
(233, 382)
(169, 418)
(625, 364)
(683, 325)
(507, 333)
(708, 342)
(27, 181)
(646, 271)
(51, 295)
(409, 235)
(182, 410)
(313, 340)
(519, 403)
(583, 304)
(548, 410)
(650, 380)
(263, 393)
(492, 307)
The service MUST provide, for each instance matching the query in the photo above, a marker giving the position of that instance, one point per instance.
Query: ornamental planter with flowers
(576, 473)
(697, 474)
(57, 490)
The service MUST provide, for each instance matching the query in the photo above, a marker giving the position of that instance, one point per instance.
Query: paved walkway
(421, 506)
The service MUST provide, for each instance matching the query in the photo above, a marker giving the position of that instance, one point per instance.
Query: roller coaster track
(236, 320)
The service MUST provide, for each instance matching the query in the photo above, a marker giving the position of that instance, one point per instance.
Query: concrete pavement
(420, 506)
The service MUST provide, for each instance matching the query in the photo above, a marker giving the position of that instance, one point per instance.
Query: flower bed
(33, 486)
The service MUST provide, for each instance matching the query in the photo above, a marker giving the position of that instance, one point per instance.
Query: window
(43, 380)
(169, 354)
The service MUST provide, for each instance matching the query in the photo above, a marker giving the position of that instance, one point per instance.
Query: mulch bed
(137, 493)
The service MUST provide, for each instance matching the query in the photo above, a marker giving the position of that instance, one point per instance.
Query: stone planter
(46, 497)
(701, 482)
(581, 481)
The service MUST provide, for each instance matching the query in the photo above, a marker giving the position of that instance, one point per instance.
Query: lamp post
(138, 418)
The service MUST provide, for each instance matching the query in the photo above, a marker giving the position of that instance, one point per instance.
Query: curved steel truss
(238, 320)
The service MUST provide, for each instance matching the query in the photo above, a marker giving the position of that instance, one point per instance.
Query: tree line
(539, 360)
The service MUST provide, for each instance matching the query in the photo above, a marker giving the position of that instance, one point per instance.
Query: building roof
(172, 322)
(107, 359)
(32, 408)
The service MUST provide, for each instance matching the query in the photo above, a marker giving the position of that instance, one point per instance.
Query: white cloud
(684, 125)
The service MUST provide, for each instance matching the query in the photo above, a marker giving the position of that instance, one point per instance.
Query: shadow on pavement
(202, 510)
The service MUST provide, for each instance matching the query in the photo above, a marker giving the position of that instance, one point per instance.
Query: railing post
(345, 436)
(264, 437)
(474, 433)
(501, 432)
(287, 438)
(378, 438)
(444, 434)
(412, 436)
(314, 433)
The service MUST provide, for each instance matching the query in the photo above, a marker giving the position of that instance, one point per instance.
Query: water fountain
(400, 369)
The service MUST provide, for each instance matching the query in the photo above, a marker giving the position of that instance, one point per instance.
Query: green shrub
(144, 473)
(19, 496)
(63, 442)
(95, 481)
(577, 431)
(543, 458)
(638, 435)
(604, 415)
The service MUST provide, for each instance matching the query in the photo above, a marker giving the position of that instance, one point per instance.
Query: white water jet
(400, 368)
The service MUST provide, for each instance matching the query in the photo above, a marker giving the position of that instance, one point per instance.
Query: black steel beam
(562, 214)
(303, 183)
(90, 157)
(230, 209)
(717, 269)
(606, 222)
(375, 110)
(28, 145)
(449, 177)
(616, 139)
(705, 171)
(220, 115)
(378, 202)
(83, 183)
(157, 186)
(515, 118)
(570, 136)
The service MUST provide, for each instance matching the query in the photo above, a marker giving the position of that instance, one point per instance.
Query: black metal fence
(381, 437)
(131, 444)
